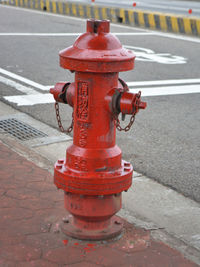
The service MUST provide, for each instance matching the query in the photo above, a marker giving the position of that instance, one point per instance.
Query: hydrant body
(93, 175)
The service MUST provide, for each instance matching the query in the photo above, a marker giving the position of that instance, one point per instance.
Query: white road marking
(132, 33)
(31, 97)
(22, 79)
(178, 37)
(37, 34)
(35, 99)
(156, 33)
(168, 90)
(18, 86)
(30, 100)
(148, 55)
(68, 34)
(163, 82)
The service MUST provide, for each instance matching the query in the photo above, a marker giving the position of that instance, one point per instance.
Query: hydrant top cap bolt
(98, 26)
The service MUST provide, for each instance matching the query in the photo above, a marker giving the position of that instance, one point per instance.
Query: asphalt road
(164, 6)
(164, 142)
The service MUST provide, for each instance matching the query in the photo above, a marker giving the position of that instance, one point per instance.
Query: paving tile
(159, 253)
(45, 241)
(20, 252)
(64, 255)
(37, 263)
(5, 263)
(57, 196)
(22, 193)
(51, 215)
(40, 186)
(133, 239)
(6, 202)
(19, 167)
(29, 177)
(4, 174)
(15, 214)
(164, 249)
(11, 238)
(2, 192)
(84, 264)
(8, 184)
(27, 226)
(106, 256)
(36, 204)
(182, 262)
(6, 152)
(150, 259)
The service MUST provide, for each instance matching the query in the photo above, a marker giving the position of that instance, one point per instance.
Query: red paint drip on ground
(89, 248)
(134, 4)
(190, 11)
(91, 245)
(65, 242)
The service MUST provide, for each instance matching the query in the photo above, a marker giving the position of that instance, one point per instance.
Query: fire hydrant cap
(97, 50)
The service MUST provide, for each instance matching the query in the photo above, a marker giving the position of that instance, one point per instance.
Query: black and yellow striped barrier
(155, 20)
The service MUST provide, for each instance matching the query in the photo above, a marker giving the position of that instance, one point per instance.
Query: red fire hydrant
(93, 175)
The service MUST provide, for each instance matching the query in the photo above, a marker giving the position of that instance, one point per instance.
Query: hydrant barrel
(93, 174)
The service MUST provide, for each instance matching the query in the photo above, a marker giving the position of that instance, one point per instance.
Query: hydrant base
(115, 229)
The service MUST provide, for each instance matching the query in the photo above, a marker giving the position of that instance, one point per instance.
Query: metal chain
(126, 128)
(59, 120)
(115, 116)
(132, 119)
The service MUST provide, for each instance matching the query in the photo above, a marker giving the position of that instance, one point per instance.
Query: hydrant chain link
(136, 107)
(126, 128)
(70, 128)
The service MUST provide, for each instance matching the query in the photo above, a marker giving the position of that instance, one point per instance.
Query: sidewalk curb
(150, 20)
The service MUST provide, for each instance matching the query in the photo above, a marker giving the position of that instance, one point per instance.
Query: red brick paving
(31, 210)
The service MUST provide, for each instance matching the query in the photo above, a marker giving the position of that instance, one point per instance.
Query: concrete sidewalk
(31, 211)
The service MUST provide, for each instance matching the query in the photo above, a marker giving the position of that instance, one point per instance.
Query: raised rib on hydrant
(93, 175)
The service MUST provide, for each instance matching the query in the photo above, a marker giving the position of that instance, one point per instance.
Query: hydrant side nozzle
(142, 105)
(138, 104)
(70, 94)
(64, 93)
(130, 103)
(123, 101)
(58, 91)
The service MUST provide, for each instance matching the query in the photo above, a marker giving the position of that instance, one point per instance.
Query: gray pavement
(164, 142)
(163, 6)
